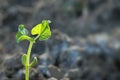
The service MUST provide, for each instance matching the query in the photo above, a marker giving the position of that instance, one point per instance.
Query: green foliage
(24, 59)
(22, 34)
(42, 32)
(34, 62)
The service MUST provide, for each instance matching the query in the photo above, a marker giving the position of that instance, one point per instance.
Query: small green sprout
(41, 32)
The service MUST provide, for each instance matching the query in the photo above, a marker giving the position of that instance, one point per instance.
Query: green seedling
(39, 32)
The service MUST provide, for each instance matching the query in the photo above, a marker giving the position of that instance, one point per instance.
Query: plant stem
(27, 73)
(28, 60)
(36, 37)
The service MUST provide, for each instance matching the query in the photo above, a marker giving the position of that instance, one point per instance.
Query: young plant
(40, 32)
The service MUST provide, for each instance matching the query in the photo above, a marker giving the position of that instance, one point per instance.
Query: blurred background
(85, 41)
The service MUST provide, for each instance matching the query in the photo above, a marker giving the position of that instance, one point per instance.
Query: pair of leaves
(42, 29)
(22, 34)
(24, 61)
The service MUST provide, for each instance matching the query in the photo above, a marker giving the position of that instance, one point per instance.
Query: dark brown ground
(85, 41)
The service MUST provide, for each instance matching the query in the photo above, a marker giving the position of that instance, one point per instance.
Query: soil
(85, 41)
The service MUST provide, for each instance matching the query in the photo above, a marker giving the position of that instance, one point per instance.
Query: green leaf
(36, 30)
(46, 33)
(42, 29)
(22, 34)
(18, 35)
(24, 59)
(22, 29)
(24, 37)
(34, 62)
